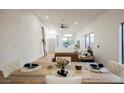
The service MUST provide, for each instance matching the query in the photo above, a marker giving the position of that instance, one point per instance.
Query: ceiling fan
(63, 26)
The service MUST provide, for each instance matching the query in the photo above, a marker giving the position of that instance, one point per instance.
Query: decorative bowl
(61, 62)
(94, 66)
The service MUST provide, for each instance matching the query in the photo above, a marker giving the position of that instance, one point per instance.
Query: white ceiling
(68, 16)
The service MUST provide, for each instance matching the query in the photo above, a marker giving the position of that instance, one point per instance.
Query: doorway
(44, 42)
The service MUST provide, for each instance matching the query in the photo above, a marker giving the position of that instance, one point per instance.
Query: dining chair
(121, 72)
(63, 80)
(114, 67)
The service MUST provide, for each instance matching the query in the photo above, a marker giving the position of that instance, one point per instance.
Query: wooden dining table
(88, 77)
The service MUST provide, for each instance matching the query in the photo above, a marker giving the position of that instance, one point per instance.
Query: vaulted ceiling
(74, 19)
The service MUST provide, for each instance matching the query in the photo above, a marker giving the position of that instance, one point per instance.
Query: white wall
(20, 32)
(30, 37)
(106, 29)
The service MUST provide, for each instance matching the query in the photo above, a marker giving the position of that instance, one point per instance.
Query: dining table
(37, 76)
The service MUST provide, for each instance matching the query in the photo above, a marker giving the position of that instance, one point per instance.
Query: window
(89, 40)
(122, 41)
(67, 42)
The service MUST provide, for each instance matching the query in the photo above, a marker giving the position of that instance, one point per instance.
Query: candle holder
(77, 67)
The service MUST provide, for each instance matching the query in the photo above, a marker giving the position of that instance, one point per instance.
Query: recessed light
(68, 35)
(47, 17)
(75, 23)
